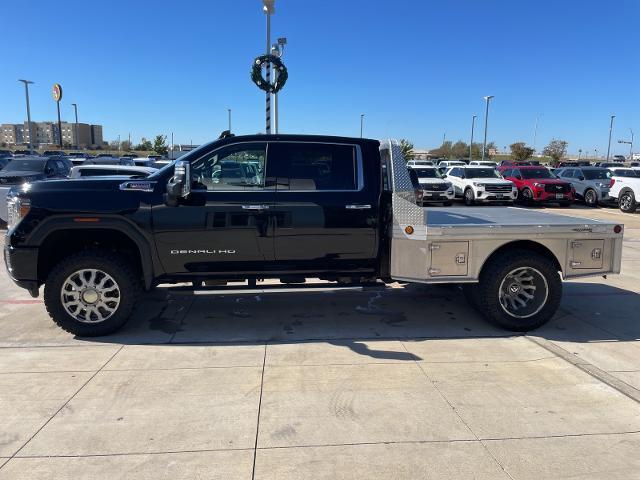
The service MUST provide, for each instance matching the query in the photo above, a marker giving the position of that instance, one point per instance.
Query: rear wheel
(519, 290)
(591, 198)
(91, 293)
(469, 197)
(627, 202)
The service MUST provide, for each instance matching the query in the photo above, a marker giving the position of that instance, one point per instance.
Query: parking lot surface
(395, 381)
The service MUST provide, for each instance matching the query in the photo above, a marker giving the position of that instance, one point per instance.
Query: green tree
(460, 150)
(476, 151)
(520, 152)
(556, 149)
(160, 145)
(443, 151)
(144, 145)
(125, 145)
(407, 149)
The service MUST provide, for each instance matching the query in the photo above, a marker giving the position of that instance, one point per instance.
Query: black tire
(469, 197)
(447, 204)
(527, 197)
(125, 278)
(498, 271)
(627, 201)
(591, 197)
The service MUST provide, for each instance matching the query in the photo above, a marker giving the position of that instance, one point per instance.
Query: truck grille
(557, 188)
(497, 188)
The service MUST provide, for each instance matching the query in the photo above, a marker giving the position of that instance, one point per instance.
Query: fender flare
(148, 256)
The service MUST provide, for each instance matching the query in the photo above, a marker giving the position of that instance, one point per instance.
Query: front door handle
(357, 207)
(255, 207)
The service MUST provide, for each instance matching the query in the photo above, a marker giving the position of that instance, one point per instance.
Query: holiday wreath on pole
(278, 66)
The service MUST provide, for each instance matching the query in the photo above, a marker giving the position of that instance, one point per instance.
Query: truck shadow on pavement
(350, 318)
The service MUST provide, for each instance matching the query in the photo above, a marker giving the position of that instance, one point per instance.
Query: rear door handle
(357, 207)
(255, 207)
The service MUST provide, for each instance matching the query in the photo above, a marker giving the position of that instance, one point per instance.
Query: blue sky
(416, 68)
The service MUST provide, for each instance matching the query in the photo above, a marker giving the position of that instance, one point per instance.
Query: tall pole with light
(229, 115)
(361, 124)
(26, 91)
(535, 133)
(630, 143)
(610, 131)
(473, 124)
(268, 7)
(75, 108)
(277, 50)
(56, 93)
(486, 121)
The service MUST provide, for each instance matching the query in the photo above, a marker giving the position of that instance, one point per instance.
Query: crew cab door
(224, 225)
(455, 177)
(326, 209)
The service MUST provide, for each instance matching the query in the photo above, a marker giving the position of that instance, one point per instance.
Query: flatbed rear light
(617, 229)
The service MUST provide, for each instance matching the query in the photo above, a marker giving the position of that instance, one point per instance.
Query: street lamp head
(488, 97)
(268, 6)
(282, 41)
(474, 116)
(26, 82)
(613, 116)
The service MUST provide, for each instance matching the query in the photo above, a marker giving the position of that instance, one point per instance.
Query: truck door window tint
(314, 166)
(234, 167)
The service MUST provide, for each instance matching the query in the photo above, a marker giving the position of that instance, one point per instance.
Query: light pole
(268, 7)
(229, 114)
(361, 123)
(26, 91)
(610, 130)
(535, 133)
(277, 49)
(75, 107)
(473, 124)
(486, 120)
(630, 143)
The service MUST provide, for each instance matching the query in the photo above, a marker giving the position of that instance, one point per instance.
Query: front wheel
(469, 197)
(591, 198)
(527, 197)
(519, 290)
(91, 293)
(627, 202)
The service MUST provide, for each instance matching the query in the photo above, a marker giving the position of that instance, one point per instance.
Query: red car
(538, 185)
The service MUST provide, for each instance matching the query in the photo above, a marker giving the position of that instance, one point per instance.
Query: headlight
(478, 184)
(538, 185)
(17, 209)
(449, 185)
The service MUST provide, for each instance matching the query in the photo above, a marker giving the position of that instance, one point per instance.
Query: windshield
(536, 173)
(599, 174)
(25, 166)
(427, 173)
(481, 173)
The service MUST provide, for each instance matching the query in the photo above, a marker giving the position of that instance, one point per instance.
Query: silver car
(592, 184)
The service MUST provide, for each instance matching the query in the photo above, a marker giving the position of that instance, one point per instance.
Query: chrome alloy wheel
(626, 201)
(523, 292)
(90, 296)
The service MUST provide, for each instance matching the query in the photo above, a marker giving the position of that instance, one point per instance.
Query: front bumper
(484, 196)
(542, 196)
(22, 266)
(438, 196)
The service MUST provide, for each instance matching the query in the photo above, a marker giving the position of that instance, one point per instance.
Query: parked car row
(528, 184)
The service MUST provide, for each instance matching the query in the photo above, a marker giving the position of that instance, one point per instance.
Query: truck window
(234, 167)
(313, 166)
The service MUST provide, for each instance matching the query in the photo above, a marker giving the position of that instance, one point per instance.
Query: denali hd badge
(202, 252)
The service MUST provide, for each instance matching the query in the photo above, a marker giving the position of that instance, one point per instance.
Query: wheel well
(62, 243)
(524, 245)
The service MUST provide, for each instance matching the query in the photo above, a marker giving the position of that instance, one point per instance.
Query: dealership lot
(316, 382)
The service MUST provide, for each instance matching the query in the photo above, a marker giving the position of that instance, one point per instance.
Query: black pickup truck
(279, 206)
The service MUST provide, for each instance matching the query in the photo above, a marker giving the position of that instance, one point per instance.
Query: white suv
(626, 190)
(481, 184)
(430, 186)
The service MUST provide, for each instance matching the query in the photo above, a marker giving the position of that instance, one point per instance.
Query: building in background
(45, 134)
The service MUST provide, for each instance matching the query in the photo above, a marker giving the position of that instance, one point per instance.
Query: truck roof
(295, 138)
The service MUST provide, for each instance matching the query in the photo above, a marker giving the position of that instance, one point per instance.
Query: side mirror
(444, 175)
(581, 178)
(48, 171)
(179, 186)
(518, 177)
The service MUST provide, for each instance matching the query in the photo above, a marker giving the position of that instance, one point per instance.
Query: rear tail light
(617, 229)
(612, 182)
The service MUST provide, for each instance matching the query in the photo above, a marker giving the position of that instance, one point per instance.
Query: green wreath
(256, 73)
